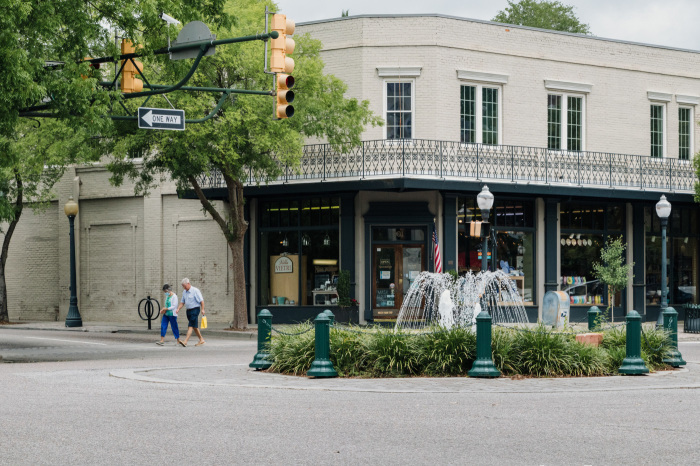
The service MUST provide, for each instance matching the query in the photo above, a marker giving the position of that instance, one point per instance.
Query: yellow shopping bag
(204, 322)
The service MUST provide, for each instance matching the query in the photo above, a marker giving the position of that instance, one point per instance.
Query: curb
(237, 335)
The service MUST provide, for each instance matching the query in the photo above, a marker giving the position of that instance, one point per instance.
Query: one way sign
(161, 118)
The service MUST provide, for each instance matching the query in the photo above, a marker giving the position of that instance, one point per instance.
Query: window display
(681, 255)
(584, 229)
(299, 252)
(511, 246)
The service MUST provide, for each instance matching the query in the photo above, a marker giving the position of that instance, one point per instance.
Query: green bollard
(483, 366)
(633, 364)
(322, 365)
(593, 318)
(330, 315)
(674, 359)
(261, 361)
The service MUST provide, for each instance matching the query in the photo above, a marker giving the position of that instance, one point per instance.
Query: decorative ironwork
(454, 160)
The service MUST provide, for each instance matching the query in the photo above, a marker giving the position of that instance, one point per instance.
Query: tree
(35, 34)
(243, 138)
(612, 270)
(542, 14)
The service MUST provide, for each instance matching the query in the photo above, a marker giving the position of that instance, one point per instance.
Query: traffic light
(129, 82)
(283, 65)
(285, 96)
(93, 67)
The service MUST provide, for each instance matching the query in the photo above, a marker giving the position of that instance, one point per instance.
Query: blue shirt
(192, 297)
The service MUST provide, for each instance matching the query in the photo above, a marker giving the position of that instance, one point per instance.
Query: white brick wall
(617, 108)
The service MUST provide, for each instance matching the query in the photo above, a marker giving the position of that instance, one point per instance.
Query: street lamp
(663, 210)
(73, 318)
(485, 202)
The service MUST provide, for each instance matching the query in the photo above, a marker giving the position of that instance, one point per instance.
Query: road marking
(69, 341)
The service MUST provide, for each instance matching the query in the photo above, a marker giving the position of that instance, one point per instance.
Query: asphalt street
(117, 398)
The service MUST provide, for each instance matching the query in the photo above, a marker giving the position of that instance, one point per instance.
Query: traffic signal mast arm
(203, 46)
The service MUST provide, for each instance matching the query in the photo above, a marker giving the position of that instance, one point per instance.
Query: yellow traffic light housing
(285, 96)
(283, 45)
(281, 63)
(129, 82)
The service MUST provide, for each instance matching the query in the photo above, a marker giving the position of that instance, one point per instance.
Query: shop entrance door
(395, 267)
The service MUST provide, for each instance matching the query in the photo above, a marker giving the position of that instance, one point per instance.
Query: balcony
(446, 160)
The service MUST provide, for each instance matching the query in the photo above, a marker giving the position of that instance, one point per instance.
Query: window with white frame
(399, 109)
(565, 111)
(657, 121)
(685, 134)
(480, 114)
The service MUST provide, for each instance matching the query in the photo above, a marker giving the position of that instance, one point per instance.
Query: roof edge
(481, 21)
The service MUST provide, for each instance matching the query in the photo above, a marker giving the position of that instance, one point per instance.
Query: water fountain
(436, 299)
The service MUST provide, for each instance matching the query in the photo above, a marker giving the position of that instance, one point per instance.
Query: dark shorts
(193, 317)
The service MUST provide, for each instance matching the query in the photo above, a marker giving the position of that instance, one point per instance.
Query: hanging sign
(284, 265)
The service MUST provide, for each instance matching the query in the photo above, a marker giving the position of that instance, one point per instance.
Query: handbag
(204, 322)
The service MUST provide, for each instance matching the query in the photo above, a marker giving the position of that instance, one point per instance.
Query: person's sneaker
(160, 343)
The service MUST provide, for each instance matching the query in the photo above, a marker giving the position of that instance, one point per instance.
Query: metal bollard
(261, 361)
(593, 318)
(322, 365)
(483, 366)
(148, 310)
(633, 364)
(330, 315)
(674, 359)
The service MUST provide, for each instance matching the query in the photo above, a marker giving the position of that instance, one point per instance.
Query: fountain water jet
(437, 299)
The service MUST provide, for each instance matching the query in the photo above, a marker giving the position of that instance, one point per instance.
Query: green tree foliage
(35, 34)
(542, 14)
(612, 270)
(243, 138)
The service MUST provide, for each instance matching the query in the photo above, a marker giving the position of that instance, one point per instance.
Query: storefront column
(639, 280)
(449, 232)
(347, 237)
(551, 245)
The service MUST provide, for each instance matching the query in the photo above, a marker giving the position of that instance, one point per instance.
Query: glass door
(395, 268)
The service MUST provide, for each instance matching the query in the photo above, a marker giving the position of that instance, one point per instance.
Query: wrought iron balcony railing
(453, 160)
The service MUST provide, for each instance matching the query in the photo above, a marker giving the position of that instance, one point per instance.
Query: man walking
(194, 303)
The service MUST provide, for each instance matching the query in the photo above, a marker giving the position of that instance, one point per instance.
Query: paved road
(118, 399)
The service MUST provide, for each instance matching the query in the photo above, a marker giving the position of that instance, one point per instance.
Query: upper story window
(399, 109)
(566, 114)
(564, 122)
(685, 134)
(480, 114)
(657, 120)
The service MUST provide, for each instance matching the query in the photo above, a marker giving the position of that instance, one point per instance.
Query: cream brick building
(576, 136)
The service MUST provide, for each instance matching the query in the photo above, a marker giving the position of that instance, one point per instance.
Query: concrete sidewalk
(218, 329)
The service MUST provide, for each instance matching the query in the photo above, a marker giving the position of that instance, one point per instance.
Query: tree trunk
(240, 308)
(4, 314)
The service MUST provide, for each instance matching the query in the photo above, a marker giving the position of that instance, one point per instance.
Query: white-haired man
(193, 302)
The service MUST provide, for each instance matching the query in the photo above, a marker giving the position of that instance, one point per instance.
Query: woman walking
(169, 315)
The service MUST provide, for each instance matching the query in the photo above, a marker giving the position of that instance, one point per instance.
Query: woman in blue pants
(169, 312)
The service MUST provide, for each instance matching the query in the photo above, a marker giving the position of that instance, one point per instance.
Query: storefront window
(584, 229)
(299, 252)
(514, 238)
(681, 256)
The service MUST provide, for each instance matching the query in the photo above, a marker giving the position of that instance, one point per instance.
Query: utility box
(555, 308)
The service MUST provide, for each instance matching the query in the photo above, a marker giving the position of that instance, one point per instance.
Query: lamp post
(73, 318)
(485, 202)
(663, 210)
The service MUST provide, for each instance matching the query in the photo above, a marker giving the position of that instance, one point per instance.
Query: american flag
(436, 251)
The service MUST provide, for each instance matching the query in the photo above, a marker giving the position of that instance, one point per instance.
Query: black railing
(447, 159)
